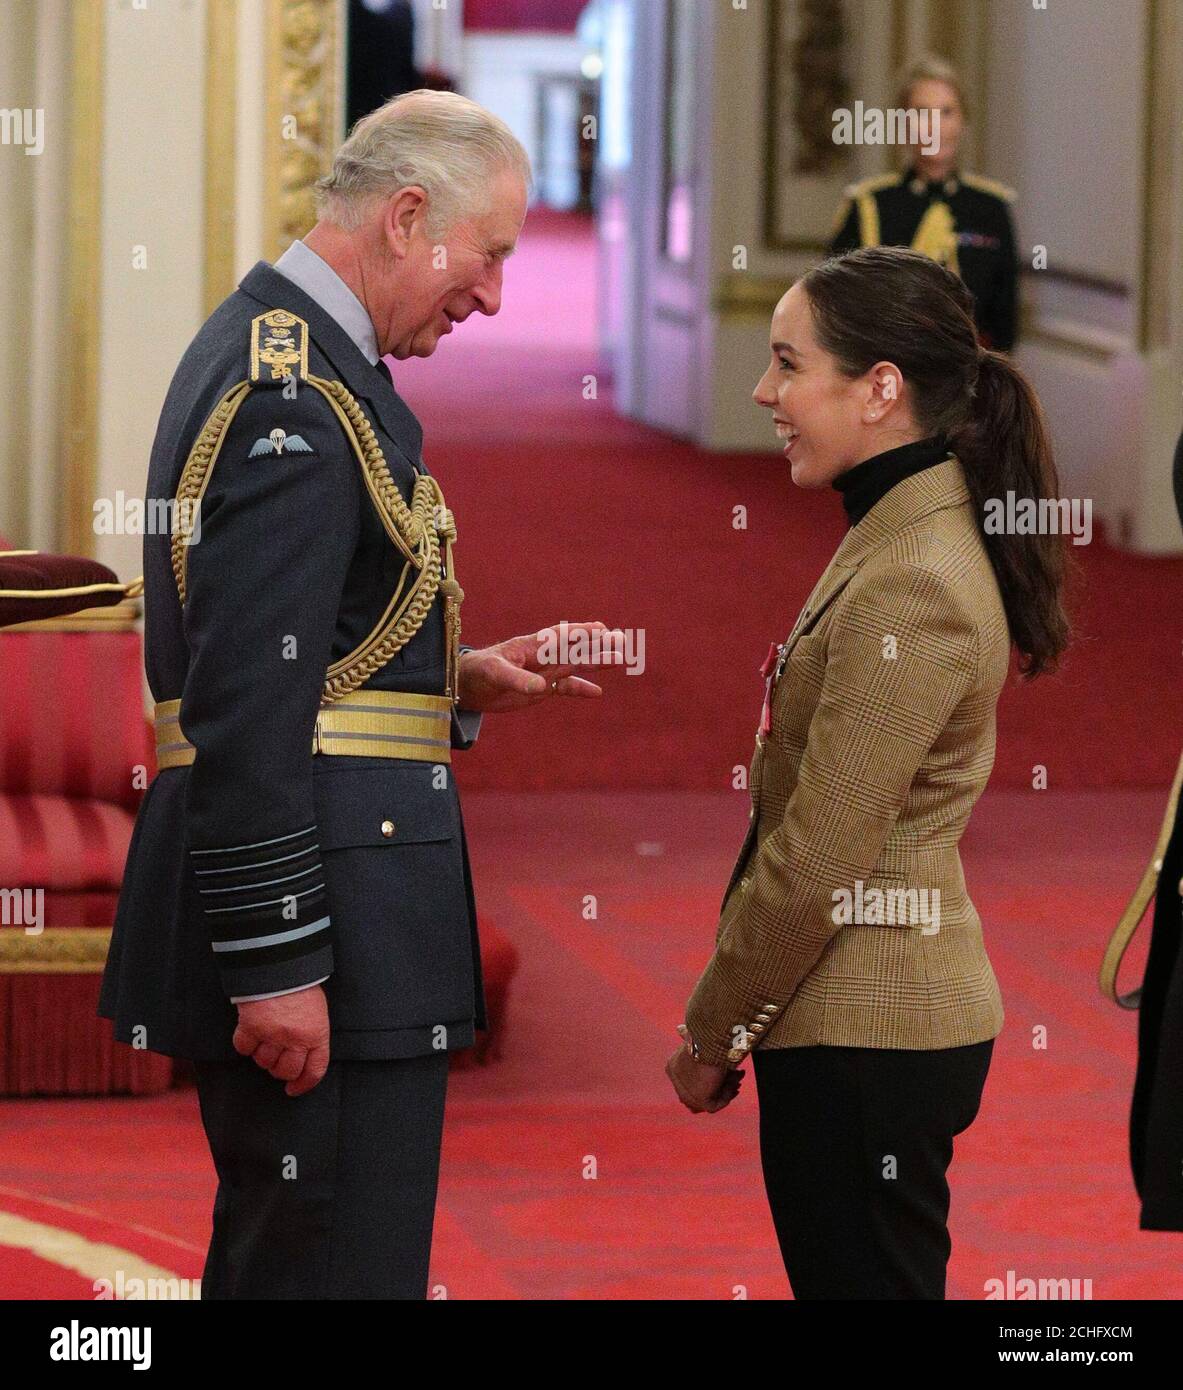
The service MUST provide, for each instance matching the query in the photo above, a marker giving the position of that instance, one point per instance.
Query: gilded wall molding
(750, 296)
(806, 61)
(305, 112)
(54, 951)
(78, 467)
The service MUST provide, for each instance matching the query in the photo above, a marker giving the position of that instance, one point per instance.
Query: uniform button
(756, 1028)
(763, 1018)
(772, 1008)
(388, 828)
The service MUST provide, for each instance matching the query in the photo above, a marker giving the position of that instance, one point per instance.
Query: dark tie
(384, 368)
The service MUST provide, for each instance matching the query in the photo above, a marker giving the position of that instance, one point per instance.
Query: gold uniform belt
(364, 724)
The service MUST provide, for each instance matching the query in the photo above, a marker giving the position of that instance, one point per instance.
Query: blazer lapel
(914, 497)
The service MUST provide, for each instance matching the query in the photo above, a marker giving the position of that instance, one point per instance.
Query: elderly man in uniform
(297, 912)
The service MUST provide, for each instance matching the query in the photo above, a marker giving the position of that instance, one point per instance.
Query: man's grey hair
(442, 142)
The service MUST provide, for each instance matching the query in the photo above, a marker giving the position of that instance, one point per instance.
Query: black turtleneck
(864, 484)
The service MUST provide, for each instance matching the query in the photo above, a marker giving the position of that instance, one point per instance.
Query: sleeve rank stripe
(251, 943)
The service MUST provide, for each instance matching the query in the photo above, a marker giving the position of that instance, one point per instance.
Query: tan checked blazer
(868, 776)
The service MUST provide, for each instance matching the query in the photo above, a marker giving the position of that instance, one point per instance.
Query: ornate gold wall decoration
(808, 53)
(820, 87)
(304, 112)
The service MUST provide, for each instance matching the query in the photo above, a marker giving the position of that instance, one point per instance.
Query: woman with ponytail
(849, 963)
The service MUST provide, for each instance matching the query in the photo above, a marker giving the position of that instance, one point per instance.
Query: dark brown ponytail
(1004, 448)
(887, 304)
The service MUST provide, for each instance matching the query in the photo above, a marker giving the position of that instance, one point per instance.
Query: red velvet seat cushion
(46, 574)
(63, 843)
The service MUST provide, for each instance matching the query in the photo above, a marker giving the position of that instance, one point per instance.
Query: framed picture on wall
(812, 66)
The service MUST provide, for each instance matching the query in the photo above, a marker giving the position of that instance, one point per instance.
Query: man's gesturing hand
(287, 1036)
(515, 674)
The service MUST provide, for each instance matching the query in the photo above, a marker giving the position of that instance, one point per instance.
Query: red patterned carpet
(674, 1208)
(565, 510)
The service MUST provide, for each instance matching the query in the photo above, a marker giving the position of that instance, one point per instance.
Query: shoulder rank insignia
(985, 185)
(280, 442)
(875, 184)
(279, 348)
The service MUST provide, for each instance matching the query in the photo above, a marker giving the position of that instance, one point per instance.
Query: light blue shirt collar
(320, 282)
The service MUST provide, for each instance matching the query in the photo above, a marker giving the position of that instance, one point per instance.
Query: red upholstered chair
(72, 735)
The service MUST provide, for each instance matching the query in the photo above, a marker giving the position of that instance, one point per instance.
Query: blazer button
(388, 828)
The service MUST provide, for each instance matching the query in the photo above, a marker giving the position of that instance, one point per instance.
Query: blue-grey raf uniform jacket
(291, 572)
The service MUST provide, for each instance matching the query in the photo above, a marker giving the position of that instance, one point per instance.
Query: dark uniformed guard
(961, 220)
(299, 861)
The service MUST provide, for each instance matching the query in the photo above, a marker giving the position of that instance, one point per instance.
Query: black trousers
(855, 1143)
(326, 1195)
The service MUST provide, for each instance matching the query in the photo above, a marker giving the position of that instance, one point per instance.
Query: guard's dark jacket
(291, 572)
(983, 237)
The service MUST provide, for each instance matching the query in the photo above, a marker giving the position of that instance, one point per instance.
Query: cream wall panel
(17, 178)
(250, 115)
(1065, 119)
(152, 184)
(499, 73)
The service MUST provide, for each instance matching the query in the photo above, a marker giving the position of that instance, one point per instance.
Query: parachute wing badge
(280, 442)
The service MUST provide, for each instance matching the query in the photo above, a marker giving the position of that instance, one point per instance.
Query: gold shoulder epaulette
(871, 185)
(279, 348)
(985, 185)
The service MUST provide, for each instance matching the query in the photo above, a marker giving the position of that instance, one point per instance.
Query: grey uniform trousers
(326, 1195)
